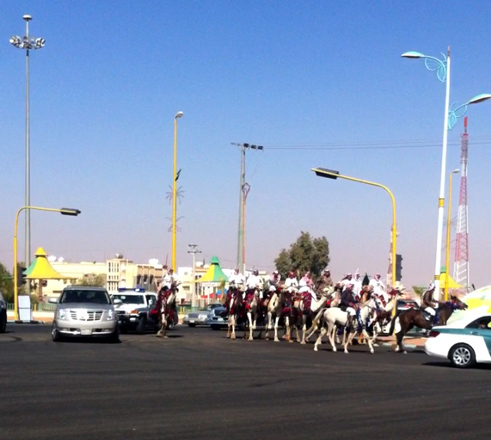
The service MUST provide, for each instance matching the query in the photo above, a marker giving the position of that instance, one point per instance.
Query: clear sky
(317, 83)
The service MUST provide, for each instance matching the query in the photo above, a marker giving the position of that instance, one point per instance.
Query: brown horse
(415, 318)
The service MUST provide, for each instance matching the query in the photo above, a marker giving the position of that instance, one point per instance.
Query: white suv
(130, 304)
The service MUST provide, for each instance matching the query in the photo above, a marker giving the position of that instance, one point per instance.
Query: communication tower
(461, 260)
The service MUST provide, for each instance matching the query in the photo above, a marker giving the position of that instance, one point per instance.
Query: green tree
(6, 284)
(306, 254)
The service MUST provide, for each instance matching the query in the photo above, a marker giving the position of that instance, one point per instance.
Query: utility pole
(242, 196)
(192, 250)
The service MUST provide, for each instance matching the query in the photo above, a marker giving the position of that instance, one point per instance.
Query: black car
(3, 314)
(217, 318)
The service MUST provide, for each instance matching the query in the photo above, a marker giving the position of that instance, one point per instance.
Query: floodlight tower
(461, 261)
(27, 43)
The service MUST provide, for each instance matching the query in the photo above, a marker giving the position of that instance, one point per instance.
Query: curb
(33, 321)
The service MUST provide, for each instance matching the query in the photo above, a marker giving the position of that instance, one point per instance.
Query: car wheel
(142, 325)
(192, 325)
(3, 322)
(114, 337)
(462, 356)
(55, 334)
(123, 329)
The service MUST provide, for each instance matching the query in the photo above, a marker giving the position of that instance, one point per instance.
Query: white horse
(336, 317)
(382, 313)
(275, 308)
(320, 306)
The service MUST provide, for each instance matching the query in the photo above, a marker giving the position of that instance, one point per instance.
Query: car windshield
(130, 299)
(85, 296)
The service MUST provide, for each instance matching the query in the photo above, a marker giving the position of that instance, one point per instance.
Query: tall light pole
(245, 190)
(27, 43)
(192, 250)
(332, 174)
(63, 211)
(447, 248)
(174, 192)
(240, 246)
(442, 68)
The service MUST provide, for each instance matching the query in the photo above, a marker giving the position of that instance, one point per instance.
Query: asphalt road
(199, 385)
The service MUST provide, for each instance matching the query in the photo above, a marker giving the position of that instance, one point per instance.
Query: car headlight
(62, 314)
(203, 316)
(111, 315)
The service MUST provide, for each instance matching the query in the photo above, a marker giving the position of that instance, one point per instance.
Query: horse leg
(249, 319)
(367, 338)
(330, 330)
(348, 339)
(319, 339)
(276, 322)
(232, 327)
(304, 330)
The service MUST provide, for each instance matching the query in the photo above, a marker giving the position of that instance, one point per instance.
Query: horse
(336, 317)
(237, 312)
(415, 318)
(306, 308)
(279, 307)
(251, 305)
(166, 305)
(333, 298)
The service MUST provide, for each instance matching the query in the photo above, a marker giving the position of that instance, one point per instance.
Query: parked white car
(464, 342)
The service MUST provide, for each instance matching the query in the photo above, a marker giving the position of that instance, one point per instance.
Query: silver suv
(3, 314)
(84, 311)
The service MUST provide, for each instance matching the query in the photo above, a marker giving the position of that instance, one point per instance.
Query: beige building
(120, 272)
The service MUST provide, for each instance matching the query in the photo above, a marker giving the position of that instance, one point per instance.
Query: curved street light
(27, 43)
(442, 68)
(331, 174)
(62, 211)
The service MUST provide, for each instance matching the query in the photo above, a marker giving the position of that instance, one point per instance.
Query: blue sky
(318, 84)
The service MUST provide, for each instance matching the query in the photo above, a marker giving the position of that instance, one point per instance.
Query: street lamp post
(245, 189)
(63, 211)
(447, 248)
(192, 250)
(27, 43)
(442, 68)
(331, 174)
(174, 192)
(242, 196)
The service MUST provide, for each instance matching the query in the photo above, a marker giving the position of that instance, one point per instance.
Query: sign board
(24, 304)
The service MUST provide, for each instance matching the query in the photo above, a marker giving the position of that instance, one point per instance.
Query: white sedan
(464, 342)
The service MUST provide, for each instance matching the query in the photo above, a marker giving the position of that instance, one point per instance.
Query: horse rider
(254, 281)
(347, 279)
(169, 278)
(348, 303)
(357, 285)
(377, 283)
(429, 305)
(275, 278)
(237, 280)
(291, 280)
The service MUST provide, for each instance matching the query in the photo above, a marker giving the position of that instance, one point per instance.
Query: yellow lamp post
(447, 249)
(63, 211)
(331, 174)
(174, 192)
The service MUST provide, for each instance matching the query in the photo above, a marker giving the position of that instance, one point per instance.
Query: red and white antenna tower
(461, 260)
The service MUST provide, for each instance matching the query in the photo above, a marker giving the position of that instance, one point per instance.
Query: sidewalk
(36, 318)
